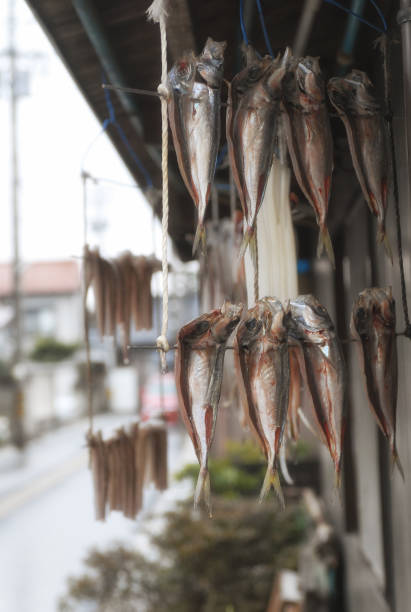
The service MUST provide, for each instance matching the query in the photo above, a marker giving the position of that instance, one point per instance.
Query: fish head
(309, 318)
(210, 63)
(253, 325)
(359, 93)
(198, 332)
(275, 77)
(222, 329)
(338, 93)
(310, 80)
(374, 308)
(181, 75)
(276, 328)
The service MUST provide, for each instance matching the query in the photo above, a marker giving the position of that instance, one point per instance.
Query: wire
(262, 21)
(350, 12)
(380, 13)
(243, 31)
(112, 120)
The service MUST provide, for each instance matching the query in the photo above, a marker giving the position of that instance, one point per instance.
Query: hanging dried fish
(262, 354)
(99, 469)
(199, 371)
(194, 113)
(311, 325)
(353, 98)
(253, 111)
(373, 325)
(309, 139)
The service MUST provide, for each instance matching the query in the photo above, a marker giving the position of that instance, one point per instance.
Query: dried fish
(373, 325)
(253, 111)
(199, 372)
(309, 139)
(194, 113)
(353, 98)
(262, 354)
(311, 325)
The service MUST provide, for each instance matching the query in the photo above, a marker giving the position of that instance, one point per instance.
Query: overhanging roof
(133, 45)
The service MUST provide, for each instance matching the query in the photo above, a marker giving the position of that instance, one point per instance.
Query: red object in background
(159, 399)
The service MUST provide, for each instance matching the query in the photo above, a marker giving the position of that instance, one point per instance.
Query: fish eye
(251, 324)
(232, 324)
(202, 327)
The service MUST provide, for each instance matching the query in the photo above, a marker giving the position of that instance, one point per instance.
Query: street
(47, 518)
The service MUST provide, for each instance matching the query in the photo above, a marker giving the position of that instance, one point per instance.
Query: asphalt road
(46, 515)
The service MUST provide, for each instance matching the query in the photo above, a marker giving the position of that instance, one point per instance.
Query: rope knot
(163, 91)
(163, 345)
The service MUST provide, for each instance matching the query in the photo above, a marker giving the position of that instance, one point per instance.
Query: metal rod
(153, 347)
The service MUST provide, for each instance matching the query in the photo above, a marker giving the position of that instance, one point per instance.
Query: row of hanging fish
(275, 350)
(122, 291)
(123, 464)
(290, 369)
(269, 97)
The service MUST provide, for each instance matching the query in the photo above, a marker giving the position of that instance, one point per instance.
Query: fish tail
(284, 467)
(338, 478)
(324, 241)
(395, 461)
(249, 240)
(383, 238)
(203, 490)
(272, 480)
(200, 239)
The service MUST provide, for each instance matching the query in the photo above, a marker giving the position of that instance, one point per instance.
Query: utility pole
(17, 418)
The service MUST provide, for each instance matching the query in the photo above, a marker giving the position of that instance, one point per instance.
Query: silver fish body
(199, 372)
(309, 139)
(325, 369)
(253, 113)
(194, 112)
(373, 326)
(262, 354)
(353, 98)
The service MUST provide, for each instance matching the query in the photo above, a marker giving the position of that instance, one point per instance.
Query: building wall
(378, 547)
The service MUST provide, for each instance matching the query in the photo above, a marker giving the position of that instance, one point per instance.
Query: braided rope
(157, 13)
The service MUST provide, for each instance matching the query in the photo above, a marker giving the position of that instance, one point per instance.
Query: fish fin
(395, 461)
(383, 238)
(284, 467)
(324, 241)
(272, 480)
(249, 240)
(203, 490)
(200, 239)
(338, 478)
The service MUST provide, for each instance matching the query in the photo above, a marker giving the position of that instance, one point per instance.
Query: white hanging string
(157, 12)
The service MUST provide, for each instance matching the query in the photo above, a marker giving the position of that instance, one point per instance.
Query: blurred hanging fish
(262, 358)
(309, 139)
(353, 98)
(373, 325)
(253, 105)
(199, 372)
(194, 113)
(311, 325)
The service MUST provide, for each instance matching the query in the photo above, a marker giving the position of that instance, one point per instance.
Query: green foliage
(200, 565)
(52, 350)
(239, 474)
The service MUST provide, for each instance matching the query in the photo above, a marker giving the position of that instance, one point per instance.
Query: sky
(55, 130)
